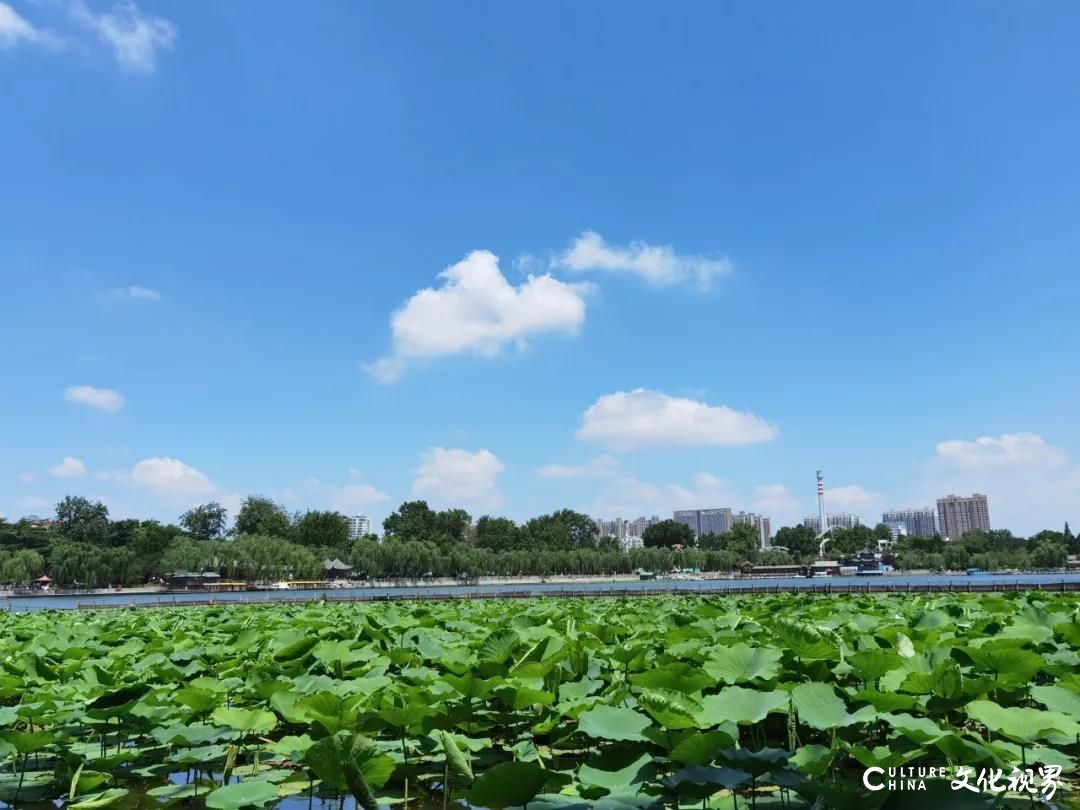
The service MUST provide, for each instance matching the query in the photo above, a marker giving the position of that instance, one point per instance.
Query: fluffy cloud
(69, 467)
(103, 399)
(135, 37)
(640, 418)
(348, 499)
(776, 501)
(1008, 450)
(136, 293)
(457, 477)
(476, 310)
(1030, 483)
(629, 497)
(15, 29)
(660, 265)
(603, 466)
(170, 476)
(34, 502)
(851, 496)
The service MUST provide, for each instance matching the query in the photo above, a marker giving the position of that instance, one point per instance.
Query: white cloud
(1009, 449)
(774, 499)
(135, 37)
(134, 292)
(640, 418)
(603, 466)
(34, 502)
(15, 29)
(170, 476)
(27, 477)
(850, 496)
(660, 265)
(630, 497)
(455, 477)
(348, 499)
(70, 467)
(1030, 483)
(478, 311)
(103, 399)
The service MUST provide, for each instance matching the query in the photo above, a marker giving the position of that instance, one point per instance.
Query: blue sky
(672, 258)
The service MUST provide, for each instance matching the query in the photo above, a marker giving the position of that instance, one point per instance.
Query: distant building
(917, 522)
(841, 520)
(628, 543)
(959, 515)
(622, 529)
(359, 525)
(759, 522)
(705, 521)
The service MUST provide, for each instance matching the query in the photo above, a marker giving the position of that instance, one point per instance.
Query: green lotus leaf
(701, 748)
(247, 721)
(819, 706)
(740, 705)
(1057, 699)
(1020, 723)
(508, 784)
(613, 723)
(97, 800)
(676, 677)
(741, 663)
(242, 794)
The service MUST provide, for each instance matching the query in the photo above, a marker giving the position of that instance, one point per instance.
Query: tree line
(81, 546)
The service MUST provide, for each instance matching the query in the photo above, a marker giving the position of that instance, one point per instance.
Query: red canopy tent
(43, 579)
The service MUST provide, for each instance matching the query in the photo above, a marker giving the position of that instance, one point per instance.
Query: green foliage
(799, 540)
(322, 529)
(668, 533)
(261, 516)
(81, 520)
(205, 522)
(680, 697)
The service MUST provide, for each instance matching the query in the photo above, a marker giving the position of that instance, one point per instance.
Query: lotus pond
(779, 701)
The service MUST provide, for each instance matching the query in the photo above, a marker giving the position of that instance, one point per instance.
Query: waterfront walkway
(821, 586)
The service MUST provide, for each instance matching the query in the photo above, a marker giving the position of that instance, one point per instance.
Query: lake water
(703, 586)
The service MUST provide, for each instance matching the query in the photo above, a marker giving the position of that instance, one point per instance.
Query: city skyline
(440, 257)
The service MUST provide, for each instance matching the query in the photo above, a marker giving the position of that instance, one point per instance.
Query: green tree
(206, 521)
(259, 515)
(1049, 554)
(452, 526)
(882, 532)
(20, 567)
(81, 520)
(956, 557)
(412, 521)
(497, 533)
(668, 533)
(850, 541)
(798, 540)
(565, 529)
(742, 540)
(322, 529)
(711, 541)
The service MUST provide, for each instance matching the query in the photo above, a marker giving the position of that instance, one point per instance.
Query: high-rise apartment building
(921, 522)
(621, 529)
(840, 520)
(359, 525)
(705, 521)
(759, 522)
(959, 515)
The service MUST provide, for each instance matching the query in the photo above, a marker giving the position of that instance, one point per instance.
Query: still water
(704, 586)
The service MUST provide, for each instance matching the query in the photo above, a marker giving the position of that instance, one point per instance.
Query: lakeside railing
(685, 589)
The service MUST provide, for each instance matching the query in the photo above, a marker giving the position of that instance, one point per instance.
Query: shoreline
(485, 582)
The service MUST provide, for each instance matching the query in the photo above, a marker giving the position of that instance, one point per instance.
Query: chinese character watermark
(1043, 781)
